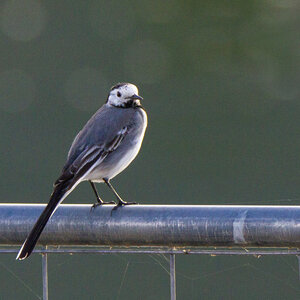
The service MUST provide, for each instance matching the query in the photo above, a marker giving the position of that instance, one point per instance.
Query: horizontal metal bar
(245, 252)
(156, 225)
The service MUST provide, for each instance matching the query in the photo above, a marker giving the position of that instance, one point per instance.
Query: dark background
(221, 87)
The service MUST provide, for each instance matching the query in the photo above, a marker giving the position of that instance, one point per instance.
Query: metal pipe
(156, 225)
(172, 277)
(157, 250)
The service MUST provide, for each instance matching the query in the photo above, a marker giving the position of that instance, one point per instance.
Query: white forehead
(129, 89)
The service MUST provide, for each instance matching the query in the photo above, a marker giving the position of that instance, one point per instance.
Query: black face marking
(118, 85)
(119, 94)
(129, 104)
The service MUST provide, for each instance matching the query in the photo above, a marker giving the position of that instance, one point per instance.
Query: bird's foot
(99, 203)
(123, 203)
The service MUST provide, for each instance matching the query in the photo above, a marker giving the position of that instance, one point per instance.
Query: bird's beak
(134, 96)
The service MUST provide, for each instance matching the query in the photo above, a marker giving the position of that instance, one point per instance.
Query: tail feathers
(57, 196)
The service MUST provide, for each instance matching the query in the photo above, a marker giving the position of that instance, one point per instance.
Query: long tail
(60, 192)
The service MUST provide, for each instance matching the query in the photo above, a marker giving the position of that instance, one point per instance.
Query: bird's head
(124, 95)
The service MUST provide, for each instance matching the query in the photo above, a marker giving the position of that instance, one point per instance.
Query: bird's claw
(101, 203)
(123, 203)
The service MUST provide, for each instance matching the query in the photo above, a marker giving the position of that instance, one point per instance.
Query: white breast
(126, 159)
(130, 156)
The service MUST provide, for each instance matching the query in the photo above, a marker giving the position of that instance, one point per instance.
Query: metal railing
(167, 229)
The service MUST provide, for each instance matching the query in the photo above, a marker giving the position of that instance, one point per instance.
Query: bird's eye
(119, 94)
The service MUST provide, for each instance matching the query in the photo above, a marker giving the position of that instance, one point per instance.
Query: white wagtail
(105, 146)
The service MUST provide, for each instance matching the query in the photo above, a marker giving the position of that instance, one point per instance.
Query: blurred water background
(221, 87)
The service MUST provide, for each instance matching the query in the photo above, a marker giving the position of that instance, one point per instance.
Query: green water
(221, 87)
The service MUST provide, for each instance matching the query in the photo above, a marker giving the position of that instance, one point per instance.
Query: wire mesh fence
(165, 230)
(154, 250)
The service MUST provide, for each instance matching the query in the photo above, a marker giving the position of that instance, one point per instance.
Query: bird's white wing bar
(93, 157)
(90, 157)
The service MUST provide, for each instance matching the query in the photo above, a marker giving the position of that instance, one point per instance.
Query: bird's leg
(99, 200)
(121, 201)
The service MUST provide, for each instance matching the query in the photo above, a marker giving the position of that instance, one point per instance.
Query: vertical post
(298, 257)
(45, 275)
(172, 277)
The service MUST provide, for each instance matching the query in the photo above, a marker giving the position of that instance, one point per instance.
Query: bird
(105, 146)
